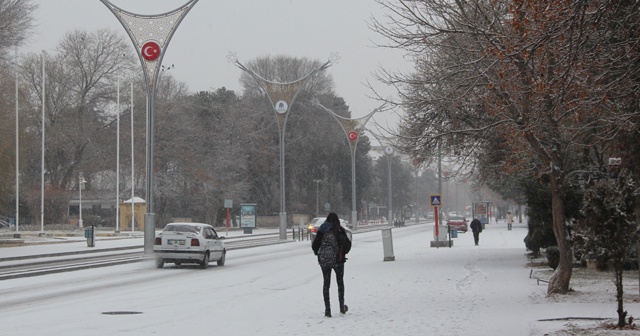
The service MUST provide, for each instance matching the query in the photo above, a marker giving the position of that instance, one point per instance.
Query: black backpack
(328, 251)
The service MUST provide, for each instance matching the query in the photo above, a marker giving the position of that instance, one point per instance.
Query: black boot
(327, 303)
(344, 309)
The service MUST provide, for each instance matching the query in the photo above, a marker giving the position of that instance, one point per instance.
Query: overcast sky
(250, 28)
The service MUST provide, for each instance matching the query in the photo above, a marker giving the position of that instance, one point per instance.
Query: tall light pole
(42, 151)
(352, 129)
(118, 156)
(17, 150)
(150, 35)
(133, 217)
(386, 143)
(440, 183)
(281, 96)
(317, 195)
(417, 206)
(389, 151)
(81, 182)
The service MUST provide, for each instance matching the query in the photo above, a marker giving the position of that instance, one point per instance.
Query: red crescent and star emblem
(150, 51)
(353, 135)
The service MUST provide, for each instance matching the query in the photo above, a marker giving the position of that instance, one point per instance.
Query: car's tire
(159, 262)
(222, 258)
(205, 261)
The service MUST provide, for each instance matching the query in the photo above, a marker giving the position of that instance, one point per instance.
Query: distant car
(430, 215)
(313, 222)
(457, 223)
(313, 230)
(189, 243)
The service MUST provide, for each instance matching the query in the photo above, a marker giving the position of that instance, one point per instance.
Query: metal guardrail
(42, 264)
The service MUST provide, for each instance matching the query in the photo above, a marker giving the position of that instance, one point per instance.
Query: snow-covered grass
(590, 287)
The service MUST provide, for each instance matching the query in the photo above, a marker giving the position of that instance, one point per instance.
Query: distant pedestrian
(476, 227)
(509, 219)
(331, 245)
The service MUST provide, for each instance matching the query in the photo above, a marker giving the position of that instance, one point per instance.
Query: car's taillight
(158, 241)
(314, 230)
(195, 242)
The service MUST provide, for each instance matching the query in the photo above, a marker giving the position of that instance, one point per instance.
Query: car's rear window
(456, 218)
(182, 228)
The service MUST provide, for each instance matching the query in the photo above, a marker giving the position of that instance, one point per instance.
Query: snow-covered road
(277, 290)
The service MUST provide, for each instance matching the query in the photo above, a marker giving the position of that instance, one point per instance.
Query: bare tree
(16, 25)
(80, 81)
(522, 70)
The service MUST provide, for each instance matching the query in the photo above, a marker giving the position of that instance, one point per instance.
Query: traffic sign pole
(435, 216)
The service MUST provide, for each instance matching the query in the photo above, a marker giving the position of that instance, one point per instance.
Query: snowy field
(277, 290)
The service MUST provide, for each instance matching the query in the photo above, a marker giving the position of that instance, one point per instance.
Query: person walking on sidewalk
(476, 227)
(509, 219)
(331, 245)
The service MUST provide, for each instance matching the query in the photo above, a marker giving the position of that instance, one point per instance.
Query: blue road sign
(435, 200)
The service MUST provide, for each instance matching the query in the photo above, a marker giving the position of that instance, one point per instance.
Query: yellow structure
(139, 209)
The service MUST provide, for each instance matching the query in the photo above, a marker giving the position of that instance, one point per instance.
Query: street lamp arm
(353, 124)
(188, 5)
(261, 79)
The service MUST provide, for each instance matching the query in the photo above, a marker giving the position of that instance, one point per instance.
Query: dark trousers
(326, 275)
(476, 236)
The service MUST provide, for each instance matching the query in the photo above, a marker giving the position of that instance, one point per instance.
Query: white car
(314, 221)
(189, 243)
(315, 224)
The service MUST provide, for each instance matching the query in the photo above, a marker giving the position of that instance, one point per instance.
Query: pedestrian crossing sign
(436, 200)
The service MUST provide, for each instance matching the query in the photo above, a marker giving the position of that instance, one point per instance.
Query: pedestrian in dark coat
(476, 227)
(331, 245)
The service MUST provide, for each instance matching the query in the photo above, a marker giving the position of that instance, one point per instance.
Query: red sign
(150, 51)
(435, 217)
(353, 135)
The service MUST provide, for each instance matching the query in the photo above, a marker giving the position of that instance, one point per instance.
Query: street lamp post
(352, 129)
(132, 163)
(439, 184)
(150, 35)
(388, 151)
(317, 195)
(417, 210)
(81, 182)
(42, 151)
(17, 223)
(118, 156)
(281, 96)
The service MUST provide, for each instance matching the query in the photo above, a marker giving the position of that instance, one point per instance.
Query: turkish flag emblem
(150, 51)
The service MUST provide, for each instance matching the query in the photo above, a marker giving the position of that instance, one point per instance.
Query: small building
(132, 209)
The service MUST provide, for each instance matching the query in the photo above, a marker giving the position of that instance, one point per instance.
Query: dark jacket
(476, 226)
(344, 244)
